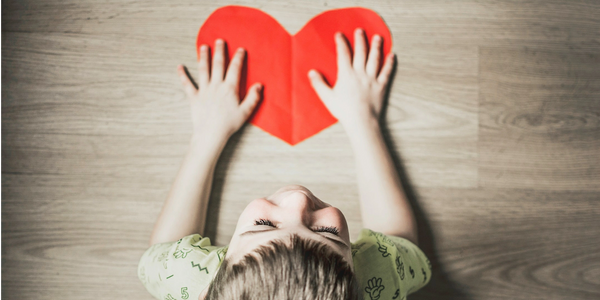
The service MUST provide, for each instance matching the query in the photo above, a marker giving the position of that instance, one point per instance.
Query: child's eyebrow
(253, 232)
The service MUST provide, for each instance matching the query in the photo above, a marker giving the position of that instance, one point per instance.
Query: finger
(384, 76)
(251, 100)
(344, 60)
(188, 85)
(218, 64)
(360, 51)
(319, 85)
(235, 68)
(373, 61)
(203, 67)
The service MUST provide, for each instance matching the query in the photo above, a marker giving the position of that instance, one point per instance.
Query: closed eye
(264, 222)
(330, 229)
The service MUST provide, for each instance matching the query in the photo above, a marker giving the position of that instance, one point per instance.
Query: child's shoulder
(392, 265)
(368, 236)
(191, 259)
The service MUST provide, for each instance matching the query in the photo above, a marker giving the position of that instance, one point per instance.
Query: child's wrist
(208, 142)
(358, 129)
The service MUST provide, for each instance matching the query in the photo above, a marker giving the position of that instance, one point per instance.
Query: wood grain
(493, 120)
(515, 243)
(539, 119)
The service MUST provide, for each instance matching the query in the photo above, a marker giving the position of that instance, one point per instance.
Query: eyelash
(329, 229)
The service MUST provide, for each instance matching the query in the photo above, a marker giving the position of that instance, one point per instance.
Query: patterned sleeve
(388, 267)
(180, 270)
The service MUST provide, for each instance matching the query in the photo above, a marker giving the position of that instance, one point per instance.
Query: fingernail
(259, 87)
(376, 38)
(241, 50)
(202, 47)
(312, 73)
(219, 41)
(358, 30)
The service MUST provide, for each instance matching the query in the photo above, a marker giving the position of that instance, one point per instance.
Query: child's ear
(203, 294)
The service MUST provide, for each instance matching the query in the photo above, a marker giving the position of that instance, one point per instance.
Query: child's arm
(216, 115)
(356, 101)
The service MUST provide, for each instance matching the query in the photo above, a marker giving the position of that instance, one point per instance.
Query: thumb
(251, 100)
(188, 86)
(319, 85)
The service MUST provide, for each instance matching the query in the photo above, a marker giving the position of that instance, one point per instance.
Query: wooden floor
(494, 118)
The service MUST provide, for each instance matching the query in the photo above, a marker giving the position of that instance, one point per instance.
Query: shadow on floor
(440, 286)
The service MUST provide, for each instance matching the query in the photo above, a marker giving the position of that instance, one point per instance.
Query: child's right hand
(357, 96)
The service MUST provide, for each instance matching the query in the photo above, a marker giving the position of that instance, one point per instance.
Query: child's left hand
(215, 105)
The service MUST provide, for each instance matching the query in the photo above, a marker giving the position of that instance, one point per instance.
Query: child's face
(292, 209)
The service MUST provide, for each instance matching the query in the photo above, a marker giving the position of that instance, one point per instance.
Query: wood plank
(432, 119)
(511, 243)
(469, 22)
(539, 119)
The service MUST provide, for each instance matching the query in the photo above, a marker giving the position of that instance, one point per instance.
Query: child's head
(290, 210)
(290, 245)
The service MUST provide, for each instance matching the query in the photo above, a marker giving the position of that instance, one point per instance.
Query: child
(290, 245)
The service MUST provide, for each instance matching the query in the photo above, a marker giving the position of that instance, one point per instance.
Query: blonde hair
(301, 269)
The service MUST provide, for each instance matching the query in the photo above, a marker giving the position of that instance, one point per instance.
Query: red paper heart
(290, 109)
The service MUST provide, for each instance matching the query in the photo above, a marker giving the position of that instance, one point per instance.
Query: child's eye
(264, 222)
(329, 229)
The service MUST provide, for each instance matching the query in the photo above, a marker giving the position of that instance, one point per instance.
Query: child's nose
(297, 204)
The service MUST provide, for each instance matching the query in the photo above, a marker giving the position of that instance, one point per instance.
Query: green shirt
(386, 267)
